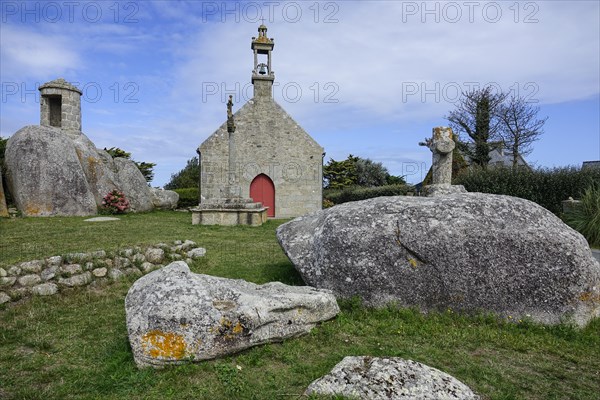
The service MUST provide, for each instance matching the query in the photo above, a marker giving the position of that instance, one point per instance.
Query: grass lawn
(74, 345)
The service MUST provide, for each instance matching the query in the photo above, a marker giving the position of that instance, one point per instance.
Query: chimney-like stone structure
(60, 105)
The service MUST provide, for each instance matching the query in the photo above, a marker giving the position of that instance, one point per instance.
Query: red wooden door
(262, 190)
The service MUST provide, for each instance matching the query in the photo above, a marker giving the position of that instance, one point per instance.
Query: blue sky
(371, 78)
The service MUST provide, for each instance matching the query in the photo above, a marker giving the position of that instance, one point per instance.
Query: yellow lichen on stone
(164, 344)
(590, 297)
(238, 328)
(412, 262)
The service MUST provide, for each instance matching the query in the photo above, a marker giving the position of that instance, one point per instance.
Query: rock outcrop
(470, 252)
(164, 199)
(57, 172)
(389, 379)
(44, 174)
(174, 315)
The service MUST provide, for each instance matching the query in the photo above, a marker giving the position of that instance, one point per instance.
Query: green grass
(74, 345)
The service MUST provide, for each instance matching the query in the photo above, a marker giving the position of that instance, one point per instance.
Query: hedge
(356, 193)
(547, 187)
(188, 197)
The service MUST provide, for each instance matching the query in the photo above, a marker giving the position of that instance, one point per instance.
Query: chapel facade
(267, 157)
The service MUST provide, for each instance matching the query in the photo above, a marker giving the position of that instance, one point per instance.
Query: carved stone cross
(441, 145)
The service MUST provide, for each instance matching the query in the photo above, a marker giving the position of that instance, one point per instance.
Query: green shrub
(356, 193)
(547, 187)
(585, 218)
(188, 197)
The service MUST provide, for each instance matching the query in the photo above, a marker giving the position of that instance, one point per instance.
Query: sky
(368, 78)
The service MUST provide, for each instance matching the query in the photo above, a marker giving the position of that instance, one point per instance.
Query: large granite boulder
(174, 315)
(164, 199)
(3, 208)
(134, 185)
(471, 252)
(44, 174)
(58, 172)
(389, 379)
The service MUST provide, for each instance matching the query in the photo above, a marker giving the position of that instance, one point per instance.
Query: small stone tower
(262, 75)
(60, 105)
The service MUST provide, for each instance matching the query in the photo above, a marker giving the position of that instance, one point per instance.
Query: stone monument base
(443, 189)
(229, 212)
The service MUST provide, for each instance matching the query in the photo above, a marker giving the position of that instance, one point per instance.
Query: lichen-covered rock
(33, 266)
(45, 289)
(134, 185)
(197, 252)
(76, 280)
(155, 255)
(52, 171)
(389, 379)
(174, 315)
(164, 199)
(471, 252)
(44, 175)
(4, 298)
(29, 280)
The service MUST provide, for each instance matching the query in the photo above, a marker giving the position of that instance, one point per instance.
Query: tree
(147, 169)
(357, 171)
(476, 115)
(188, 177)
(340, 174)
(520, 126)
(370, 173)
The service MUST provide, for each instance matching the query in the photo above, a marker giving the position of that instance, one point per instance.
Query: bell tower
(262, 74)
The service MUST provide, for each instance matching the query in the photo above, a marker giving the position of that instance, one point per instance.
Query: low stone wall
(51, 275)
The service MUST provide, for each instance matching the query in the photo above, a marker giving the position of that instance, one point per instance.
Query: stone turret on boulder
(54, 169)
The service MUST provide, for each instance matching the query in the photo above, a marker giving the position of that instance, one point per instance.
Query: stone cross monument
(441, 145)
(231, 208)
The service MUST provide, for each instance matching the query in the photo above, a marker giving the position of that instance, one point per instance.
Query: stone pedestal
(443, 189)
(229, 212)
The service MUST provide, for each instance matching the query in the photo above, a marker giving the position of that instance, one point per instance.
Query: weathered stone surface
(164, 199)
(4, 298)
(389, 378)
(49, 272)
(443, 190)
(3, 207)
(174, 315)
(8, 281)
(29, 280)
(115, 274)
(134, 185)
(99, 272)
(56, 260)
(71, 269)
(155, 255)
(197, 252)
(102, 219)
(2, 273)
(470, 252)
(45, 289)
(76, 280)
(44, 175)
(33, 266)
(53, 171)
(14, 271)
(147, 267)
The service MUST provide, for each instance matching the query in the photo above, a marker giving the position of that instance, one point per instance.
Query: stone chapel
(267, 156)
